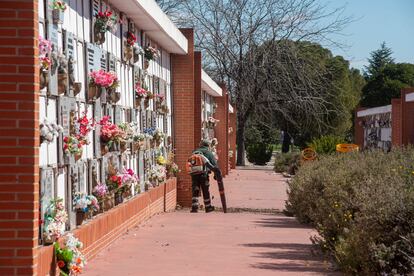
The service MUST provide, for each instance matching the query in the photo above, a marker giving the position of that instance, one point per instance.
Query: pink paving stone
(255, 189)
(181, 243)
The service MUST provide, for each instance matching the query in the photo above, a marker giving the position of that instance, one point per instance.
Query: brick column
(407, 117)
(358, 130)
(396, 122)
(184, 98)
(19, 137)
(197, 98)
(222, 129)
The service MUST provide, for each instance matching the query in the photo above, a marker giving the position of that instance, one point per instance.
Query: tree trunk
(240, 141)
(286, 142)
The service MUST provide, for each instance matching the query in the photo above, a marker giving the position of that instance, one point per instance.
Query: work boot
(194, 210)
(209, 209)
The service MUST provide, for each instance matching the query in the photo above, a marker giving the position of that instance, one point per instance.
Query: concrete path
(240, 243)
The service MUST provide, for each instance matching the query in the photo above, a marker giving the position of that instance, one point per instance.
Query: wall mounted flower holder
(44, 78)
(118, 198)
(113, 96)
(128, 52)
(94, 92)
(136, 54)
(58, 16)
(62, 83)
(146, 64)
(77, 87)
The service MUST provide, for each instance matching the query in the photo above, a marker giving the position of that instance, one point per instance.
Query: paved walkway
(238, 243)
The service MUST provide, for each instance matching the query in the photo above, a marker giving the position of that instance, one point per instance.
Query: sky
(376, 21)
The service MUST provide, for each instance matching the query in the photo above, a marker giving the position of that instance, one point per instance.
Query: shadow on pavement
(291, 257)
(281, 222)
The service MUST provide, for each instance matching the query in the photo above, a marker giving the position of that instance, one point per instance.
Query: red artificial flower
(108, 13)
(65, 146)
(61, 264)
(79, 145)
(66, 139)
(114, 178)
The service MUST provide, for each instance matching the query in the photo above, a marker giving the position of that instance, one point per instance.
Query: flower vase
(77, 156)
(146, 64)
(62, 83)
(108, 202)
(112, 96)
(138, 103)
(77, 87)
(146, 103)
(158, 143)
(94, 92)
(99, 36)
(104, 149)
(80, 217)
(136, 54)
(128, 53)
(165, 109)
(123, 146)
(49, 240)
(43, 78)
(57, 16)
(118, 198)
(114, 146)
(127, 193)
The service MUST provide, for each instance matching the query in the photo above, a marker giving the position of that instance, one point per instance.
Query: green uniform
(201, 181)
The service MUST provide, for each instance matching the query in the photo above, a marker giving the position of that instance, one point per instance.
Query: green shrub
(326, 144)
(362, 205)
(259, 154)
(287, 162)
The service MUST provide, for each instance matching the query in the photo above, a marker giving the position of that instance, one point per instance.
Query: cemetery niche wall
(105, 111)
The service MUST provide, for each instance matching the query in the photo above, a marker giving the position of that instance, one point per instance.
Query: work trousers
(200, 181)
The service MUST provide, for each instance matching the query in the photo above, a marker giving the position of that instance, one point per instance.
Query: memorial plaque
(81, 176)
(46, 187)
(69, 44)
(53, 36)
(104, 168)
(95, 8)
(153, 119)
(94, 55)
(149, 118)
(93, 174)
(117, 116)
(73, 187)
(104, 60)
(111, 62)
(97, 132)
(144, 119)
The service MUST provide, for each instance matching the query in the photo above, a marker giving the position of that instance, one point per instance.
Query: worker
(200, 176)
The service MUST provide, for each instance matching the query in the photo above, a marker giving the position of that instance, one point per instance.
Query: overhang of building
(155, 23)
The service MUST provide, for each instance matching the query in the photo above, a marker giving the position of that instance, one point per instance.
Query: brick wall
(396, 122)
(101, 231)
(183, 91)
(407, 109)
(358, 130)
(197, 98)
(221, 130)
(19, 137)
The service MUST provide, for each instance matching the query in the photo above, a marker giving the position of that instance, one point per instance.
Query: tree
(378, 60)
(312, 72)
(387, 84)
(229, 31)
